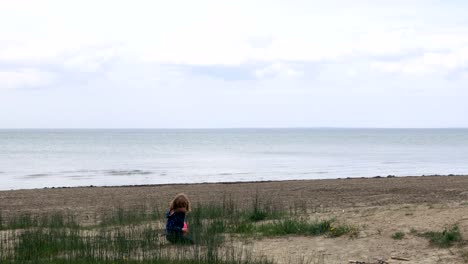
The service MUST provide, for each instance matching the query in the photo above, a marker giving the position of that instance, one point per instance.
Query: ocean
(59, 158)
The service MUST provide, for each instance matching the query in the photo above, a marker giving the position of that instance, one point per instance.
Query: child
(176, 228)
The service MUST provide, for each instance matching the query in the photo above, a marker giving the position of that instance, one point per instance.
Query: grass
(292, 226)
(444, 239)
(126, 261)
(121, 216)
(398, 235)
(51, 220)
(133, 235)
(296, 227)
(339, 230)
(116, 245)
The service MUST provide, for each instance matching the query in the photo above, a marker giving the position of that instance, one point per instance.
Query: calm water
(46, 158)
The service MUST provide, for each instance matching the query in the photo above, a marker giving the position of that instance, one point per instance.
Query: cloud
(278, 69)
(78, 37)
(223, 72)
(172, 60)
(225, 34)
(91, 59)
(26, 78)
(428, 63)
(64, 68)
(244, 72)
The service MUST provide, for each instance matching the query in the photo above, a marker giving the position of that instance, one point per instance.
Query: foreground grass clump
(129, 244)
(121, 216)
(303, 227)
(446, 238)
(51, 220)
(132, 235)
(136, 235)
(297, 227)
(398, 235)
(126, 261)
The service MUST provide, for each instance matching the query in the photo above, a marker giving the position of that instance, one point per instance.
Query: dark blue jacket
(175, 223)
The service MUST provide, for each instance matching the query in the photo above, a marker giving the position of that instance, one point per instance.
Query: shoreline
(234, 182)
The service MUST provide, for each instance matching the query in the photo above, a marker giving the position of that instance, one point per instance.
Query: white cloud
(278, 69)
(186, 32)
(91, 59)
(452, 61)
(428, 63)
(170, 58)
(25, 78)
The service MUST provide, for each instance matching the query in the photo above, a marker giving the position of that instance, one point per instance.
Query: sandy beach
(378, 207)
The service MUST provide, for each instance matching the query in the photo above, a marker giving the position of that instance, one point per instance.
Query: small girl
(176, 228)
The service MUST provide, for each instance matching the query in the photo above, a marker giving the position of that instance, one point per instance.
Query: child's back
(175, 226)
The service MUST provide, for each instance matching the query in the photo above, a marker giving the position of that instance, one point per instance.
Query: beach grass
(122, 216)
(445, 238)
(49, 220)
(292, 226)
(136, 235)
(398, 235)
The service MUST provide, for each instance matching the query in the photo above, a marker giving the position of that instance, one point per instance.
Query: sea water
(56, 158)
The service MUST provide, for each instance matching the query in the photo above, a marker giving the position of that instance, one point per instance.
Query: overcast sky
(173, 64)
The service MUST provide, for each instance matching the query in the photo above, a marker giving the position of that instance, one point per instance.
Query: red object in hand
(185, 228)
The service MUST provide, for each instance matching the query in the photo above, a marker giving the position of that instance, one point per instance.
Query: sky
(223, 64)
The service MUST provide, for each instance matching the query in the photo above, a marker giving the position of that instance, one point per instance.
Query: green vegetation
(136, 235)
(120, 216)
(126, 261)
(446, 238)
(398, 235)
(53, 220)
(297, 227)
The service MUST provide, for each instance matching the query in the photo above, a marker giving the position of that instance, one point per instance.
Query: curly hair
(180, 201)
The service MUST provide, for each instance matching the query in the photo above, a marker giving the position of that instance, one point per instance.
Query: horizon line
(219, 128)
